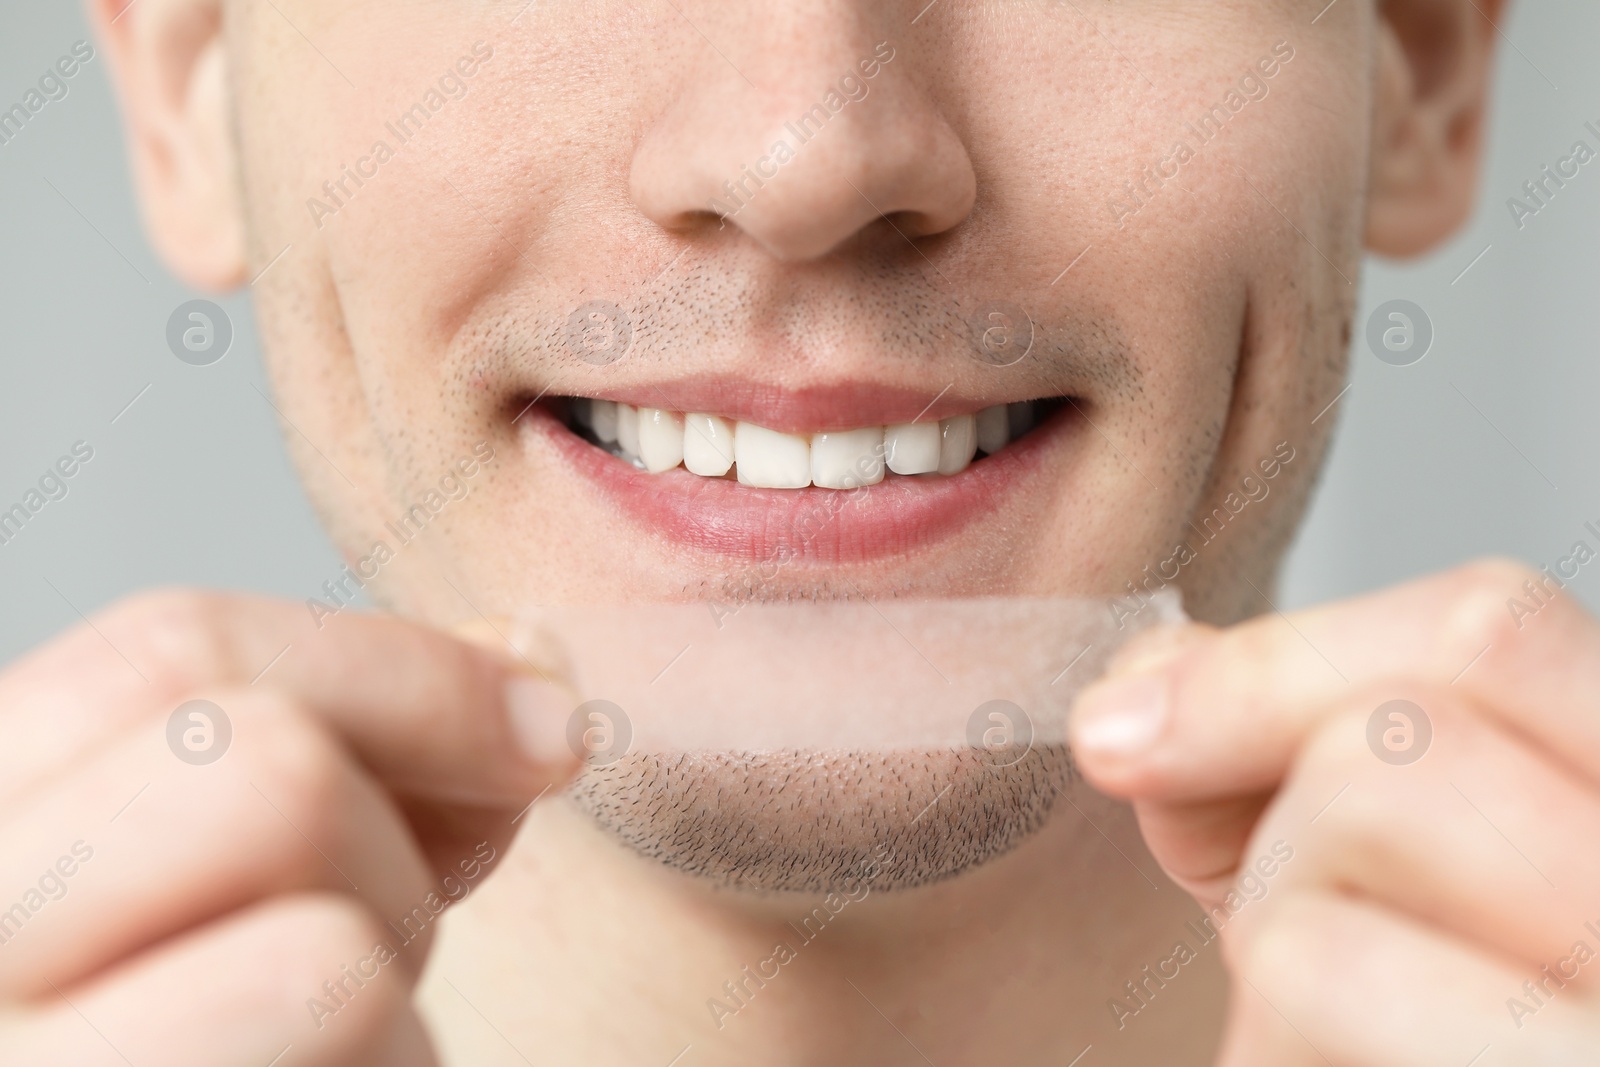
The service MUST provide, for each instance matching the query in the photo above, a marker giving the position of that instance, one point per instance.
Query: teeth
(1019, 416)
(768, 459)
(660, 439)
(912, 447)
(958, 443)
(847, 460)
(628, 430)
(603, 420)
(994, 429)
(710, 446)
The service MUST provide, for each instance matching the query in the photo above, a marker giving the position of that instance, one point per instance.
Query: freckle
(1344, 333)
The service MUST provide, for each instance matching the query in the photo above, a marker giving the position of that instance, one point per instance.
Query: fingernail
(1123, 717)
(538, 713)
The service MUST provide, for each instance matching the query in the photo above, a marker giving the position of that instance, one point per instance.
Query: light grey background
(1486, 446)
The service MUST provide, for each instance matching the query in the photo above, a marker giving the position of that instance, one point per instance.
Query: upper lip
(812, 408)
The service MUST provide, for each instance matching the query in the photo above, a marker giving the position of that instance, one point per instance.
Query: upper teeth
(659, 440)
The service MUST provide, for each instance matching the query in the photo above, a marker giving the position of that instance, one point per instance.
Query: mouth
(851, 491)
(711, 446)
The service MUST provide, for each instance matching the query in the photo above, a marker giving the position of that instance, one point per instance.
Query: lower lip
(827, 526)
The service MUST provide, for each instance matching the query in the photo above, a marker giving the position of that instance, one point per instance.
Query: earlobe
(170, 66)
(1432, 79)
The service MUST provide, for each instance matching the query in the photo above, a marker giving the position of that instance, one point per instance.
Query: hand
(156, 908)
(1385, 898)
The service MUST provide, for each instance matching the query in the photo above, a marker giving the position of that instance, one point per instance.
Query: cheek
(406, 222)
(520, 186)
(1229, 265)
(1180, 196)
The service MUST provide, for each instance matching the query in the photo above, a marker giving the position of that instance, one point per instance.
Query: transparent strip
(996, 674)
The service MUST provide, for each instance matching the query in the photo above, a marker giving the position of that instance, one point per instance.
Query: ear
(170, 67)
(1433, 75)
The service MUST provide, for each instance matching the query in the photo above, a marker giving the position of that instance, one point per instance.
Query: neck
(579, 951)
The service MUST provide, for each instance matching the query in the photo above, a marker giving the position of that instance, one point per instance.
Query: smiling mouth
(824, 476)
(657, 441)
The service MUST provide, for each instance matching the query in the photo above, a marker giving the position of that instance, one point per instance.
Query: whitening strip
(994, 674)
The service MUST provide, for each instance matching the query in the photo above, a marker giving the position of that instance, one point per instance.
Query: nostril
(804, 165)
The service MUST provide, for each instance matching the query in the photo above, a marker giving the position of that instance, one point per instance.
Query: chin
(818, 821)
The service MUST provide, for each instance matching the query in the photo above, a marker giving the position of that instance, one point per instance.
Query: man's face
(1116, 243)
(1146, 218)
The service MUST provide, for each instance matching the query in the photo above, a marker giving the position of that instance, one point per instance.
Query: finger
(1201, 845)
(1476, 840)
(286, 810)
(296, 982)
(427, 712)
(1224, 713)
(1335, 980)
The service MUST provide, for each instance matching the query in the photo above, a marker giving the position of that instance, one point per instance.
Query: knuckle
(1382, 808)
(1363, 829)
(1339, 753)
(313, 968)
(1274, 950)
(1337, 746)
(351, 965)
(1476, 615)
(178, 638)
(300, 770)
(325, 927)
(338, 951)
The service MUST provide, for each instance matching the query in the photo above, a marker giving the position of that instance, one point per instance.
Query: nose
(829, 133)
